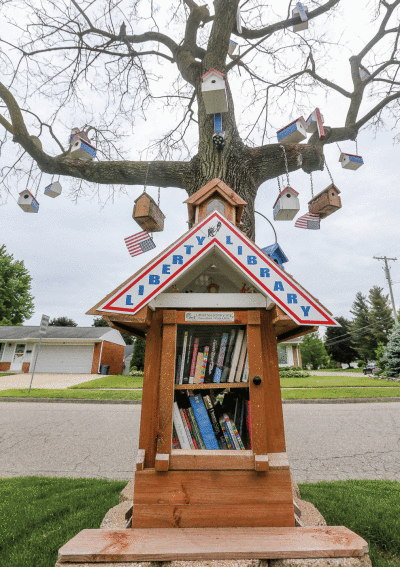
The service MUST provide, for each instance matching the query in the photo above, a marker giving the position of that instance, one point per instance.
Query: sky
(75, 253)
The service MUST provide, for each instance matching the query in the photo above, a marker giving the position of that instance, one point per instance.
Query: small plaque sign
(210, 317)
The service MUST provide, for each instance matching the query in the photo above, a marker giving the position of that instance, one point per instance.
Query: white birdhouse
(350, 161)
(232, 47)
(214, 92)
(27, 202)
(315, 123)
(300, 10)
(287, 205)
(81, 149)
(53, 190)
(76, 133)
(364, 73)
(294, 132)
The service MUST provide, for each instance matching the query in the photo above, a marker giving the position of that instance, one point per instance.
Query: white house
(289, 352)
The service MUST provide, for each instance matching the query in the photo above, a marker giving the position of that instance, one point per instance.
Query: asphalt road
(324, 441)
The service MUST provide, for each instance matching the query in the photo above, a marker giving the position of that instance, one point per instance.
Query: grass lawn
(336, 382)
(5, 374)
(76, 394)
(337, 393)
(342, 370)
(38, 515)
(112, 382)
(371, 508)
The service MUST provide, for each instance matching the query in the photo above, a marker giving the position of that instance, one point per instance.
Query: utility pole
(387, 274)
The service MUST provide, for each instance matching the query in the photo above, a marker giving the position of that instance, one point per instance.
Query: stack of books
(218, 357)
(201, 421)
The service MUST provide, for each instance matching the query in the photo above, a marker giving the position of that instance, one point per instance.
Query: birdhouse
(315, 123)
(81, 149)
(294, 132)
(287, 205)
(214, 92)
(276, 254)
(53, 190)
(232, 46)
(76, 133)
(364, 73)
(300, 10)
(350, 161)
(27, 202)
(147, 214)
(326, 202)
(216, 195)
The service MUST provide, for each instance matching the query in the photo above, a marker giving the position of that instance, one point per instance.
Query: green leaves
(16, 301)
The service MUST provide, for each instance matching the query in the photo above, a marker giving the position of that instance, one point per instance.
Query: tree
(362, 336)
(380, 314)
(113, 63)
(62, 322)
(392, 355)
(139, 349)
(338, 342)
(100, 322)
(313, 351)
(16, 301)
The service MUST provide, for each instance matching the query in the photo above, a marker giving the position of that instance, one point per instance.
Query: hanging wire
(279, 185)
(38, 185)
(159, 190)
(29, 176)
(330, 175)
(339, 148)
(312, 186)
(356, 147)
(145, 179)
(273, 228)
(286, 164)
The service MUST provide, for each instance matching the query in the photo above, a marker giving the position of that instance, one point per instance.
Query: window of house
(2, 345)
(282, 355)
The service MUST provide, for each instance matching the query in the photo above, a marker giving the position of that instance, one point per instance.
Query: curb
(139, 402)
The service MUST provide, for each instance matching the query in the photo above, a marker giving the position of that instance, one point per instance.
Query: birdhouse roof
(215, 236)
(216, 186)
(346, 154)
(275, 249)
(285, 190)
(84, 141)
(329, 188)
(213, 71)
(27, 191)
(301, 119)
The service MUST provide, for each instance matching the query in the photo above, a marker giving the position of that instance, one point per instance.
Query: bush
(360, 364)
(292, 373)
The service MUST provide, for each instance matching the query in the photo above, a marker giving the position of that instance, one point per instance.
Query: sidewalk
(44, 381)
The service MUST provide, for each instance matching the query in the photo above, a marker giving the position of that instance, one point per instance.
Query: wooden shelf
(211, 385)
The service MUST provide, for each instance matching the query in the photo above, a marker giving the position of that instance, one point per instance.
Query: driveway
(44, 380)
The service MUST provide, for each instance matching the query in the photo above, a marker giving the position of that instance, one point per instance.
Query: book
(220, 359)
(194, 359)
(236, 433)
(211, 361)
(180, 429)
(232, 435)
(185, 338)
(199, 366)
(226, 434)
(229, 351)
(191, 431)
(214, 422)
(245, 375)
(175, 438)
(195, 428)
(242, 357)
(248, 423)
(204, 366)
(203, 421)
(188, 360)
(185, 425)
(178, 369)
(225, 374)
(235, 355)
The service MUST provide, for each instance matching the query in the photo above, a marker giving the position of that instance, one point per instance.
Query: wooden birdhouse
(302, 11)
(232, 46)
(27, 202)
(147, 214)
(53, 190)
(81, 149)
(294, 132)
(315, 123)
(214, 92)
(216, 195)
(287, 205)
(276, 254)
(326, 202)
(350, 161)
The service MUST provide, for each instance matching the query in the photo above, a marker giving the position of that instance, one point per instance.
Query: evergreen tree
(63, 322)
(362, 336)
(380, 315)
(100, 322)
(16, 301)
(138, 354)
(338, 342)
(391, 357)
(313, 351)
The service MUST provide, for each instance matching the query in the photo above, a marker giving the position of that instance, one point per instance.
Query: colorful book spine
(175, 438)
(180, 429)
(199, 366)
(229, 428)
(238, 438)
(248, 423)
(211, 360)
(235, 355)
(191, 432)
(185, 425)
(195, 428)
(226, 434)
(221, 357)
(194, 359)
(203, 421)
(214, 422)
(185, 338)
(204, 366)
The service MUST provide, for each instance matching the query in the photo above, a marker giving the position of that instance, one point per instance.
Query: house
(289, 353)
(64, 349)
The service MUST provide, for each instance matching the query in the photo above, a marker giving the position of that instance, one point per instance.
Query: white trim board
(204, 300)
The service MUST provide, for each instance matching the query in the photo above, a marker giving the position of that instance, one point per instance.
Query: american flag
(139, 243)
(309, 221)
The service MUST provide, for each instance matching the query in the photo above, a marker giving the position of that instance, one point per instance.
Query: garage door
(65, 358)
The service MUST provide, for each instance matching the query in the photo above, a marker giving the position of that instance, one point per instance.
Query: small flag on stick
(139, 243)
(309, 221)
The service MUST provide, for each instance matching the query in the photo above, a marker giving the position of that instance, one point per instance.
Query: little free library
(212, 476)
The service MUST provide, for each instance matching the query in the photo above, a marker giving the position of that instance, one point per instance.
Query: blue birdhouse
(276, 254)
(350, 161)
(294, 132)
(302, 11)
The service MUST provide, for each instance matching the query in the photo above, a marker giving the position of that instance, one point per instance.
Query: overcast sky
(76, 254)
